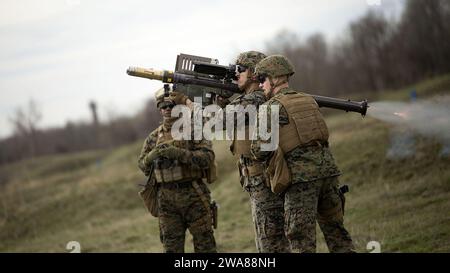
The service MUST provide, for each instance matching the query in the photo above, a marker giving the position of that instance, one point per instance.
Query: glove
(165, 144)
(171, 152)
(222, 102)
(148, 159)
(200, 162)
(178, 98)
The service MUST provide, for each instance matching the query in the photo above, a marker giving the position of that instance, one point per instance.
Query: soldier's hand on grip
(222, 102)
(171, 152)
(151, 156)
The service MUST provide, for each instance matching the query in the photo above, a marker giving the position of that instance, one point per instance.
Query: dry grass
(92, 198)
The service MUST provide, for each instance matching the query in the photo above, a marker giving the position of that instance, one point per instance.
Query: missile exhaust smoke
(429, 118)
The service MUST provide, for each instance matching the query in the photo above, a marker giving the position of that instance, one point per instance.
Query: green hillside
(91, 197)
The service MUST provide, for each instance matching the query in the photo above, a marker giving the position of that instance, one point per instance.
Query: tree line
(375, 53)
(29, 141)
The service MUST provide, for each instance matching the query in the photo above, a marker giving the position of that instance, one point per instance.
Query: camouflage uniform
(179, 203)
(314, 192)
(267, 207)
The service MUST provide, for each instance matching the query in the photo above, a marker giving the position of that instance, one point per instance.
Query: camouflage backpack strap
(205, 202)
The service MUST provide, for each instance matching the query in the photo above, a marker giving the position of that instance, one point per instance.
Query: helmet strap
(272, 88)
(275, 85)
(250, 81)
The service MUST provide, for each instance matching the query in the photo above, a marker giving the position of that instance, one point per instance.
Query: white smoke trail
(430, 118)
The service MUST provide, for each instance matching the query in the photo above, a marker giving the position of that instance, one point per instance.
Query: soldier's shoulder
(273, 101)
(237, 99)
(154, 134)
(257, 95)
(283, 95)
(204, 143)
(287, 92)
(156, 131)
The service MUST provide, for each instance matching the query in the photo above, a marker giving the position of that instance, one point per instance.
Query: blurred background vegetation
(79, 182)
(375, 53)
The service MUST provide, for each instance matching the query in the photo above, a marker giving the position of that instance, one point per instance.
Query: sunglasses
(170, 106)
(262, 78)
(241, 68)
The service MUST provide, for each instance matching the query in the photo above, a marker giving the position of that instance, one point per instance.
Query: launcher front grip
(152, 74)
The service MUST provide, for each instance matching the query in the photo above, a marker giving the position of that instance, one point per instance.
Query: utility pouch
(278, 172)
(149, 194)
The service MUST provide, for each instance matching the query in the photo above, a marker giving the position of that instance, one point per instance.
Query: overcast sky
(64, 53)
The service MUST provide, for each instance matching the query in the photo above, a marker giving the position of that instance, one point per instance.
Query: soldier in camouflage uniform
(183, 197)
(267, 207)
(312, 192)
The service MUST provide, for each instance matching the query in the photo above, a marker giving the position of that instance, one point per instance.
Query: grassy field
(91, 197)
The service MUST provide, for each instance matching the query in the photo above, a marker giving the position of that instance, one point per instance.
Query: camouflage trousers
(321, 201)
(268, 217)
(181, 208)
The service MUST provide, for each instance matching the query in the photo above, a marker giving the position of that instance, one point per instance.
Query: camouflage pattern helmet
(249, 59)
(275, 66)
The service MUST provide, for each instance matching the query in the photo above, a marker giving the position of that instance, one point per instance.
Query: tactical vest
(306, 124)
(243, 148)
(167, 170)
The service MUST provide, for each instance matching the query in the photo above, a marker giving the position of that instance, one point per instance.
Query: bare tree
(424, 30)
(25, 124)
(370, 37)
(93, 107)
